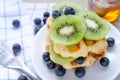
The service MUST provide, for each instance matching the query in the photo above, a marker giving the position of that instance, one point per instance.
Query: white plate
(96, 72)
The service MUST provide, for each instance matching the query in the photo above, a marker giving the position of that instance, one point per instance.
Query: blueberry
(36, 29)
(46, 14)
(22, 77)
(16, 23)
(60, 71)
(104, 61)
(69, 10)
(80, 60)
(46, 56)
(51, 65)
(56, 14)
(80, 72)
(44, 19)
(37, 21)
(110, 41)
(16, 48)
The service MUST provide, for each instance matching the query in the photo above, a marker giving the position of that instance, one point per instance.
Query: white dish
(95, 72)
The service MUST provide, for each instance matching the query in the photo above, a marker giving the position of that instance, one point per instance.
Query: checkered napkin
(26, 13)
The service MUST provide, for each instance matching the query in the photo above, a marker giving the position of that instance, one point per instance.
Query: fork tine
(5, 57)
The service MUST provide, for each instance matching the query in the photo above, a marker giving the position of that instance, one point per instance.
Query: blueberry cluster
(104, 61)
(38, 22)
(68, 11)
(59, 70)
(80, 71)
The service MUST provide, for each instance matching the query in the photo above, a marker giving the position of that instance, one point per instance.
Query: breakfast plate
(95, 72)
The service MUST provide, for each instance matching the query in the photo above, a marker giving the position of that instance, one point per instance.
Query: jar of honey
(108, 9)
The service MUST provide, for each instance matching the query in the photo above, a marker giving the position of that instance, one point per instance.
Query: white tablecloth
(26, 13)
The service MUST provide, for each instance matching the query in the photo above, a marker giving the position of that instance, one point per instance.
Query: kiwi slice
(97, 28)
(67, 30)
(60, 6)
(58, 58)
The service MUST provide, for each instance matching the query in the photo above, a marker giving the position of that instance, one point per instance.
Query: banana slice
(75, 51)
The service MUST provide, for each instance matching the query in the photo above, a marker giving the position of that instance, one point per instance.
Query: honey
(107, 9)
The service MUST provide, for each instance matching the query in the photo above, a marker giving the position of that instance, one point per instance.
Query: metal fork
(8, 60)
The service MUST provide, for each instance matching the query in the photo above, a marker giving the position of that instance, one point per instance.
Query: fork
(8, 60)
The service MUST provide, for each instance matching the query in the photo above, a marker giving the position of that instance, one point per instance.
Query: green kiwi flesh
(58, 58)
(97, 28)
(67, 30)
(60, 6)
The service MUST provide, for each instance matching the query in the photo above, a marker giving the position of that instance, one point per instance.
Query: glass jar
(108, 9)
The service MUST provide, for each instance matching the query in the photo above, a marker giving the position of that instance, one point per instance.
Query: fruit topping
(67, 30)
(56, 14)
(104, 61)
(51, 65)
(60, 71)
(80, 72)
(110, 41)
(58, 58)
(46, 56)
(96, 27)
(80, 60)
(69, 10)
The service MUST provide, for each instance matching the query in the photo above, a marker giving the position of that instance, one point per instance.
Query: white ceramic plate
(96, 72)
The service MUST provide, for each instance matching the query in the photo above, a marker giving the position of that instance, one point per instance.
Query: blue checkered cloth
(26, 13)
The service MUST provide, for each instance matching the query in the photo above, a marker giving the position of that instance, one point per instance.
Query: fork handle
(27, 72)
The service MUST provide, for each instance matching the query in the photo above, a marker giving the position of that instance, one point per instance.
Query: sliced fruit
(97, 28)
(75, 51)
(58, 58)
(67, 30)
(60, 6)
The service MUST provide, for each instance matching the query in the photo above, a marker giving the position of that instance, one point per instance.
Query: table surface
(25, 35)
